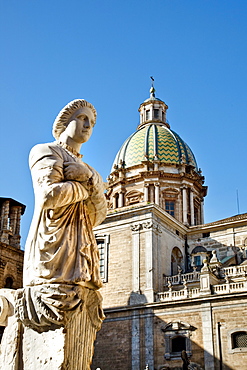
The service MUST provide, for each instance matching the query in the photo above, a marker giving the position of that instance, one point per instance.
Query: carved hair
(64, 115)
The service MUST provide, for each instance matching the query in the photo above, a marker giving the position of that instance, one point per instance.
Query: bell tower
(11, 256)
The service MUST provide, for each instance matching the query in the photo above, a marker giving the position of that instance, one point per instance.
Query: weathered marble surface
(68, 345)
(69, 201)
(58, 312)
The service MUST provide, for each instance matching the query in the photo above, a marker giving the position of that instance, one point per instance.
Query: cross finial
(152, 90)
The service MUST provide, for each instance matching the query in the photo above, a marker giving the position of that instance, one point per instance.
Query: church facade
(171, 282)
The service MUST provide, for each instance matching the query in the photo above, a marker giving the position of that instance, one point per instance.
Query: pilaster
(207, 333)
(149, 339)
(135, 342)
(185, 206)
(157, 193)
(136, 257)
(146, 192)
(192, 214)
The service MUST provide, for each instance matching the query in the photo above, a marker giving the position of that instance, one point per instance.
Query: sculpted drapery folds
(69, 202)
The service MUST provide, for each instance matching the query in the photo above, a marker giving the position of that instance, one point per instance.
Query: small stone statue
(185, 360)
(169, 284)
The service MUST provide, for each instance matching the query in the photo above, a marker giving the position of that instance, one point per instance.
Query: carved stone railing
(189, 277)
(173, 295)
(178, 294)
(233, 271)
(229, 288)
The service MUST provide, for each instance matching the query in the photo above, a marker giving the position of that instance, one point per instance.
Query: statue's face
(80, 126)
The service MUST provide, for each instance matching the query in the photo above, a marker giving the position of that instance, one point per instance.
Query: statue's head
(65, 115)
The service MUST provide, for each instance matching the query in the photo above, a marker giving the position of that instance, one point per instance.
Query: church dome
(155, 166)
(154, 141)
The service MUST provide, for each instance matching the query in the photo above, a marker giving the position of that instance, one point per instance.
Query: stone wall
(189, 314)
(229, 316)
(113, 343)
(119, 278)
(132, 338)
(11, 266)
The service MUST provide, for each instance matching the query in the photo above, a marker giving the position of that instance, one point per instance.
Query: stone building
(11, 256)
(171, 282)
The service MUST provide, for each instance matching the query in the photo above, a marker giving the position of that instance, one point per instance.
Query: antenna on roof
(237, 202)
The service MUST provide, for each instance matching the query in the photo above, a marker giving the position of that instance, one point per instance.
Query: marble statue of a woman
(69, 202)
(51, 322)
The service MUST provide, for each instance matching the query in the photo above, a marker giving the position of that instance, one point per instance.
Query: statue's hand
(97, 185)
(77, 171)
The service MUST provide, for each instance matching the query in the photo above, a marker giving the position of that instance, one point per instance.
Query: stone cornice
(187, 303)
(145, 208)
(230, 222)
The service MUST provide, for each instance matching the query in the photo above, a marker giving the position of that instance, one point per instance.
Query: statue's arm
(51, 189)
(96, 202)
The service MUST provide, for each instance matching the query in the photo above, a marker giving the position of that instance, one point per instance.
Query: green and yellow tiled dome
(154, 141)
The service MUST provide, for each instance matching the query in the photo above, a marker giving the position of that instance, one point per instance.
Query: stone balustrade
(189, 277)
(233, 271)
(173, 295)
(178, 294)
(229, 288)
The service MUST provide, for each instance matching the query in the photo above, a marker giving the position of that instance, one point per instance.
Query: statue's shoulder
(45, 147)
(40, 151)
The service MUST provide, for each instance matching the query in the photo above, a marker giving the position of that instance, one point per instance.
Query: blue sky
(53, 51)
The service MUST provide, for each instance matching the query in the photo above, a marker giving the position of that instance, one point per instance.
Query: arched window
(176, 260)
(198, 254)
(8, 283)
(239, 339)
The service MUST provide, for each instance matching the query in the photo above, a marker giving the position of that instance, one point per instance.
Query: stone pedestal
(67, 346)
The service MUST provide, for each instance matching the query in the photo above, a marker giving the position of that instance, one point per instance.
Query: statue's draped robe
(61, 247)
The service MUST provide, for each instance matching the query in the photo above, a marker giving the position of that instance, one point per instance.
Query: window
(170, 207)
(178, 344)
(163, 116)
(8, 283)
(147, 115)
(205, 235)
(177, 338)
(197, 261)
(239, 339)
(156, 113)
(103, 244)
